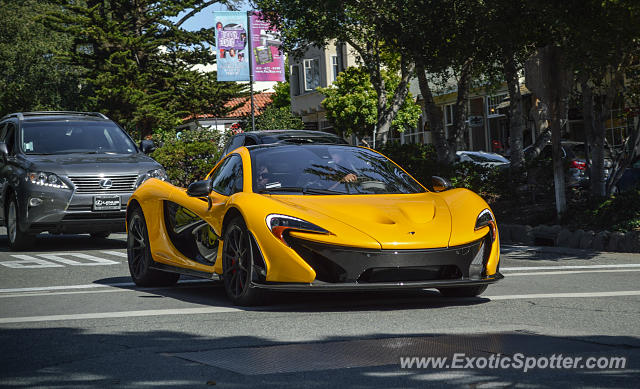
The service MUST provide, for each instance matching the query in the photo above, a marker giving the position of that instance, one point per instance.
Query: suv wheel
(18, 240)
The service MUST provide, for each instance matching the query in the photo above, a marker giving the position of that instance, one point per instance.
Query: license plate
(106, 203)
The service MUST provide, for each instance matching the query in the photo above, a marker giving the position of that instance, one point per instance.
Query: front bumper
(65, 211)
(355, 286)
(344, 268)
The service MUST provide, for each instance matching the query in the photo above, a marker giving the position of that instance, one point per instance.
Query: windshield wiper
(302, 190)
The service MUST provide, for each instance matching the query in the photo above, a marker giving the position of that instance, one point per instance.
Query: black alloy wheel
(237, 265)
(139, 255)
(17, 239)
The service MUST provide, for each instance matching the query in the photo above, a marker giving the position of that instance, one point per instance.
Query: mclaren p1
(312, 217)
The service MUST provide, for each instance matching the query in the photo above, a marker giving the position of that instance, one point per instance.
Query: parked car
(312, 217)
(575, 157)
(67, 172)
(630, 177)
(482, 158)
(280, 136)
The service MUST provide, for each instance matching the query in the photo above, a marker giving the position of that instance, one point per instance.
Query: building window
(449, 114)
(493, 102)
(295, 80)
(311, 74)
(334, 66)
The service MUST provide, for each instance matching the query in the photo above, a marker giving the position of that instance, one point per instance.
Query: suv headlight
(159, 173)
(485, 219)
(279, 224)
(46, 179)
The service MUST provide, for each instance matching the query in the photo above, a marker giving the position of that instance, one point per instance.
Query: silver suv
(67, 172)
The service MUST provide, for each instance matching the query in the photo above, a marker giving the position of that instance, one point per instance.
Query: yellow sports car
(312, 217)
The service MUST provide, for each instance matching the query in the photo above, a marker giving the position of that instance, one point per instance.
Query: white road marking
(113, 315)
(116, 253)
(90, 286)
(214, 310)
(28, 262)
(564, 295)
(102, 290)
(628, 265)
(543, 273)
(93, 260)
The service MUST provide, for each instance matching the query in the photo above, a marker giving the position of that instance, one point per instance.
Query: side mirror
(147, 146)
(200, 188)
(439, 184)
(3, 149)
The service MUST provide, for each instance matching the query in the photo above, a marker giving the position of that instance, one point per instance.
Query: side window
(227, 179)
(236, 142)
(10, 138)
(3, 131)
(249, 141)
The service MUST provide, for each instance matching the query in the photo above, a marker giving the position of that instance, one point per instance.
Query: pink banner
(267, 61)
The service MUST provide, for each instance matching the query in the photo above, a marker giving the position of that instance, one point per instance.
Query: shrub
(620, 212)
(422, 163)
(189, 155)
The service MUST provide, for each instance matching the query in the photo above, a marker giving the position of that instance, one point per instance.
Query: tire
(100, 235)
(237, 265)
(17, 239)
(139, 255)
(467, 291)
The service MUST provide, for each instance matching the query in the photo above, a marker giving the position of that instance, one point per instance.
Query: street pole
(375, 130)
(250, 59)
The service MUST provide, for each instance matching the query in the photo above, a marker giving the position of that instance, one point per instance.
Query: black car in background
(280, 136)
(575, 158)
(67, 172)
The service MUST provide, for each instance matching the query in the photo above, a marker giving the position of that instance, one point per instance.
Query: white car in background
(482, 158)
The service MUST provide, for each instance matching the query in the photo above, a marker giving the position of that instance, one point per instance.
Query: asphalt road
(70, 317)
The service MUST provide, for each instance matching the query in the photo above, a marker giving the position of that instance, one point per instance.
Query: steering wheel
(373, 185)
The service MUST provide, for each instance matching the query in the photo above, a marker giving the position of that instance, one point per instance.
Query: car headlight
(279, 224)
(46, 179)
(159, 173)
(485, 219)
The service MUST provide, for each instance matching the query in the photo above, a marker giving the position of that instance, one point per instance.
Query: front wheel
(237, 265)
(139, 255)
(467, 291)
(18, 240)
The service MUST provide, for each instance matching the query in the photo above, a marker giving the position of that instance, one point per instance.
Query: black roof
(296, 133)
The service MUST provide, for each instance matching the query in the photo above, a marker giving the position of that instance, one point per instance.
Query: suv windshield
(327, 169)
(64, 137)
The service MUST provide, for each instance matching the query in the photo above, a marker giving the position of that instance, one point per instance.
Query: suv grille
(85, 184)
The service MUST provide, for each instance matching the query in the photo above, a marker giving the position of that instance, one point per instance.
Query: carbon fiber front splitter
(371, 286)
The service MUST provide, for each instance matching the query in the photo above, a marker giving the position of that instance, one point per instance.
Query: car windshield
(327, 169)
(65, 137)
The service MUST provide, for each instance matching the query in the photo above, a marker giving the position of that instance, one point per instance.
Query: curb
(558, 236)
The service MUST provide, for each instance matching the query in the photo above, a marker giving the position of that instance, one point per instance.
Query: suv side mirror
(439, 184)
(200, 188)
(147, 146)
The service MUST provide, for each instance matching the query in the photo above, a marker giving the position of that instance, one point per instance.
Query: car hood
(405, 221)
(89, 164)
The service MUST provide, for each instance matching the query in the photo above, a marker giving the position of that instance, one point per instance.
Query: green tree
(351, 103)
(319, 22)
(189, 155)
(278, 118)
(32, 73)
(139, 64)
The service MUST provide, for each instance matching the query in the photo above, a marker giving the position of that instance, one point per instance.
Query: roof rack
(53, 113)
(22, 115)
